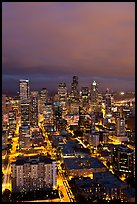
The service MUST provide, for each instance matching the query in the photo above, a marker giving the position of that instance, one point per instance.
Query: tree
(108, 164)
(6, 160)
(100, 147)
(130, 181)
(6, 195)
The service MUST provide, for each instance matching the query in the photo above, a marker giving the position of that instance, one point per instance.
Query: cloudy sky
(50, 42)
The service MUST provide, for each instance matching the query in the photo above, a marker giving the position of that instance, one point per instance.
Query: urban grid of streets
(62, 182)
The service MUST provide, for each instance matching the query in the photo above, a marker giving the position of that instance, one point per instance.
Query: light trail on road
(6, 181)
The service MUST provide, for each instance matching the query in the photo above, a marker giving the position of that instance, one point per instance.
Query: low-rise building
(83, 166)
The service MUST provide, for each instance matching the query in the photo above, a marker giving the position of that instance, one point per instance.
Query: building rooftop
(21, 160)
(130, 192)
(85, 182)
(80, 163)
(108, 180)
(125, 149)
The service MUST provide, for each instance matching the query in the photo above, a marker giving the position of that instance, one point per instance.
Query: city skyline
(48, 43)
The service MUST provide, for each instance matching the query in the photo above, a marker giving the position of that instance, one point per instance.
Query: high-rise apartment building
(33, 173)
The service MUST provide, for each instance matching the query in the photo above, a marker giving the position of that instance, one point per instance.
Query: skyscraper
(84, 95)
(62, 92)
(120, 126)
(123, 160)
(24, 131)
(12, 122)
(24, 89)
(108, 102)
(25, 113)
(43, 98)
(94, 93)
(74, 89)
(34, 109)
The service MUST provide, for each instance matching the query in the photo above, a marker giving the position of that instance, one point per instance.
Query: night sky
(50, 42)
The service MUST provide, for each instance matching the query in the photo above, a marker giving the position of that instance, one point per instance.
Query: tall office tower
(25, 113)
(120, 126)
(12, 122)
(94, 96)
(15, 105)
(74, 89)
(43, 98)
(24, 137)
(108, 102)
(24, 102)
(94, 135)
(57, 110)
(24, 89)
(84, 122)
(123, 160)
(85, 95)
(81, 122)
(62, 93)
(48, 113)
(33, 173)
(34, 109)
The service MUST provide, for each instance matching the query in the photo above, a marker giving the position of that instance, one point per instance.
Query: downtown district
(75, 146)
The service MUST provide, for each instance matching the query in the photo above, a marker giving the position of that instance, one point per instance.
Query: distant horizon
(52, 92)
(49, 42)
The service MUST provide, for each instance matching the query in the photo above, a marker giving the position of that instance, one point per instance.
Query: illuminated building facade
(33, 173)
(85, 95)
(48, 113)
(57, 111)
(94, 137)
(25, 113)
(95, 97)
(74, 90)
(62, 94)
(120, 126)
(34, 109)
(43, 98)
(12, 122)
(24, 137)
(83, 166)
(108, 102)
(123, 160)
(24, 89)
